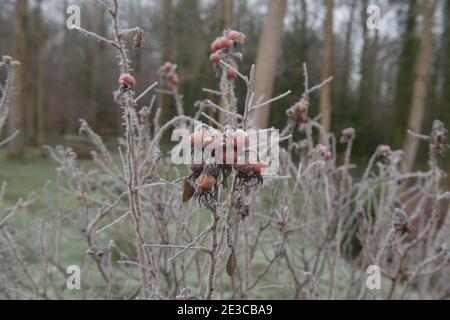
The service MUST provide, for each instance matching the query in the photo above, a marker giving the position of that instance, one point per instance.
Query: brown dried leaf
(138, 39)
(188, 191)
(231, 264)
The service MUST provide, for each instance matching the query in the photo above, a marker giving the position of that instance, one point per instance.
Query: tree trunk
(228, 13)
(325, 94)
(347, 63)
(405, 75)
(166, 54)
(267, 58)
(40, 108)
(420, 84)
(18, 96)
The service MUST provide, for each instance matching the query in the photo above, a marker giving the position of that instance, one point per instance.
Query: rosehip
(205, 182)
(233, 35)
(127, 80)
(197, 168)
(215, 58)
(257, 167)
(211, 141)
(229, 157)
(231, 74)
(174, 79)
(240, 138)
(216, 45)
(167, 66)
(197, 137)
(224, 42)
(384, 150)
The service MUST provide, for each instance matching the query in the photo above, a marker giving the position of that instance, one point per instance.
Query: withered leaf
(231, 264)
(138, 39)
(188, 191)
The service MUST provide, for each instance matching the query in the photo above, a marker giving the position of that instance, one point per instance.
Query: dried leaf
(138, 39)
(188, 191)
(231, 264)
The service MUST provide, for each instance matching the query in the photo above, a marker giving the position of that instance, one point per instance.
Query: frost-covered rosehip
(233, 35)
(384, 150)
(257, 167)
(231, 74)
(167, 66)
(205, 182)
(127, 80)
(174, 79)
(224, 42)
(215, 45)
(215, 58)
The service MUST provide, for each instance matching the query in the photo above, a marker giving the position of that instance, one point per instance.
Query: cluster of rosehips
(219, 152)
(225, 46)
(299, 111)
(168, 75)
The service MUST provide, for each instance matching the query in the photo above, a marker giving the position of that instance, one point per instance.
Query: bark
(18, 97)
(228, 14)
(267, 58)
(420, 84)
(40, 107)
(325, 94)
(347, 63)
(166, 54)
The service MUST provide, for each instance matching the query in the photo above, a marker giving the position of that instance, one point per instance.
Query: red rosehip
(127, 79)
(328, 155)
(229, 157)
(174, 79)
(384, 150)
(224, 42)
(197, 137)
(257, 167)
(233, 35)
(215, 45)
(240, 138)
(197, 168)
(205, 182)
(231, 74)
(211, 141)
(167, 66)
(215, 58)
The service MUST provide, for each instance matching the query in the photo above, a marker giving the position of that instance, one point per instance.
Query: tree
(405, 74)
(39, 96)
(166, 53)
(325, 93)
(445, 98)
(19, 94)
(420, 84)
(267, 58)
(347, 58)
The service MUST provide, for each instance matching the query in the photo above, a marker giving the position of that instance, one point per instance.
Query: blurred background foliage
(67, 78)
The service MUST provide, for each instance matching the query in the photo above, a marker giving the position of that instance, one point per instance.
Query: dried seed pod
(188, 191)
(231, 264)
(138, 40)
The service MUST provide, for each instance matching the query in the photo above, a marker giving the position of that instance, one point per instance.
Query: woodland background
(64, 78)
